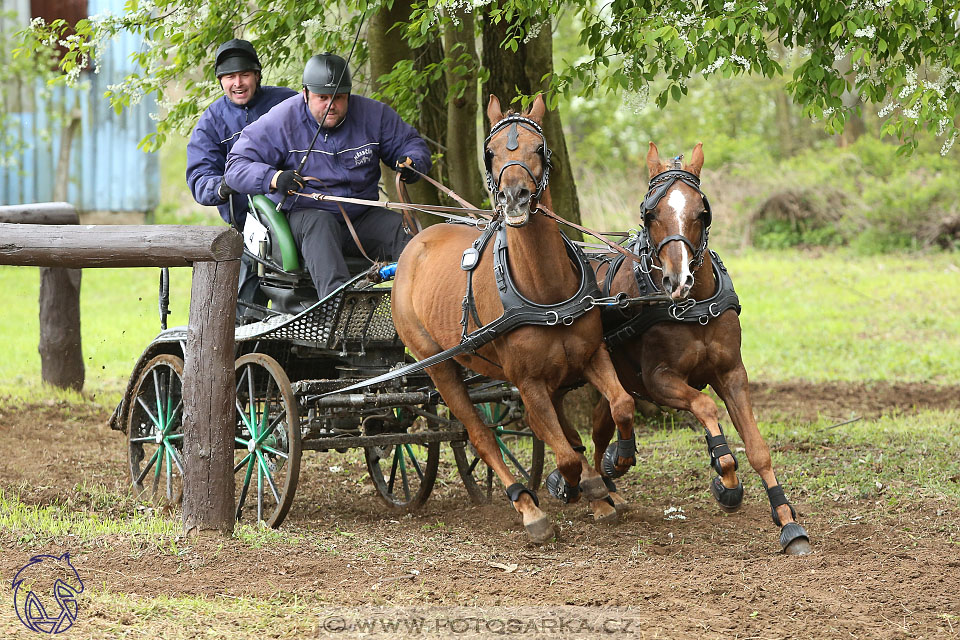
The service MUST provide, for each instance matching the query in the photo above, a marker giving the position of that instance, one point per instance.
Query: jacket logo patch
(363, 156)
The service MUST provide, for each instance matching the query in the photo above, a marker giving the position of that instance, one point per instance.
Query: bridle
(514, 121)
(659, 185)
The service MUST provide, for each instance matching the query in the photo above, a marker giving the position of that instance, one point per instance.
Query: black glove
(225, 190)
(407, 174)
(289, 181)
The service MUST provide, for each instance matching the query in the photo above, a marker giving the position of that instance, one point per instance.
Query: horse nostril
(523, 194)
(688, 282)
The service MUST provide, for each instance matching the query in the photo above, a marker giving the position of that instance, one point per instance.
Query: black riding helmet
(234, 56)
(327, 74)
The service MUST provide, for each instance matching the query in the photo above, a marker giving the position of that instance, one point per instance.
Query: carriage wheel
(154, 430)
(521, 451)
(404, 474)
(267, 449)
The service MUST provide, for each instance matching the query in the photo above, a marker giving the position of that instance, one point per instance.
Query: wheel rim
(403, 474)
(154, 431)
(520, 450)
(267, 441)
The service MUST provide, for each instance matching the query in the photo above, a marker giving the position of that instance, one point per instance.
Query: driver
(244, 100)
(356, 134)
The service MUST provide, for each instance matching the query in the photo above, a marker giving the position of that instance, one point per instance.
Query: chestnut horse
(429, 305)
(695, 343)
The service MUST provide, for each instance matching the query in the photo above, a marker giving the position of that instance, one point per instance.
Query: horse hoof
(594, 488)
(728, 499)
(540, 530)
(621, 505)
(604, 512)
(610, 462)
(559, 489)
(794, 540)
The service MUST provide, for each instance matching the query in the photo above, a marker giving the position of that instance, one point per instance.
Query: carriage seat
(286, 282)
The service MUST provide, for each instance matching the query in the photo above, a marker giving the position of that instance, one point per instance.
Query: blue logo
(45, 594)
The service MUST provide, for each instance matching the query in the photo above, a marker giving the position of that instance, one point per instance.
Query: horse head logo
(45, 593)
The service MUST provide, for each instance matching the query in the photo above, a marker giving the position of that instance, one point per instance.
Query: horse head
(676, 219)
(517, 160)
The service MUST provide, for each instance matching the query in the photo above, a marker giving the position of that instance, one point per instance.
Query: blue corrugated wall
(108, 172)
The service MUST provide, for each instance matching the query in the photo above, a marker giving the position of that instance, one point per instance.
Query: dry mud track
(876, 573)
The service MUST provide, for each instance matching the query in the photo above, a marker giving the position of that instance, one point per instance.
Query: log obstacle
(208, 373)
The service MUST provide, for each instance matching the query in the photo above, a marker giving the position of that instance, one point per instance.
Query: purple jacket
(345, 158)
(213, 137)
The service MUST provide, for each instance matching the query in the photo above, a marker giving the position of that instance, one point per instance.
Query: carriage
(287, 362)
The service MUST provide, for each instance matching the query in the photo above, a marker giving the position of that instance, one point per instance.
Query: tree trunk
(521, 71)
(61, 352)
(462, 157)
(387, 47)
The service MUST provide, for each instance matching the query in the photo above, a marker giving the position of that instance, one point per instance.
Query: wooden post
(209, 405)
(209, 400)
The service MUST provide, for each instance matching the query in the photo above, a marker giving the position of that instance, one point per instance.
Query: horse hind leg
(733, 390)
(623, 454)
(603, 430)
(592, 484)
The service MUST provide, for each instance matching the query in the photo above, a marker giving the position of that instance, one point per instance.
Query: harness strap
(550, 214)
(518, 311)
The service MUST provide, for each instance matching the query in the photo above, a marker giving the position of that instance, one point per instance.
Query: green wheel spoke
(242, 462)
(268, 429)
(509, 432)
(157, 386)
(142, 440)
(393, 470)
(403, 475)
(175, 455)
(246, 483)
(149, 413)
(251, 398)
(266, 473)
(241, 441)
(169, 463)
(146, 469)
(413, 459)
(175, 436)
(275, 452)
(523, 471)
(259, 493)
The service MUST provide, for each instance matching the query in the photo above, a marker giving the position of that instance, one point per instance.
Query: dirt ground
(875, 573)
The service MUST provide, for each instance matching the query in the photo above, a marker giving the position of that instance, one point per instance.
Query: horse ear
(537, 109)
(696, 160)
(653, 161)
(494, 113)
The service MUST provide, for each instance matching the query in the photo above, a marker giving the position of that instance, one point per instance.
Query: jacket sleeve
(256, 156)
(399, 140)
(206, 160)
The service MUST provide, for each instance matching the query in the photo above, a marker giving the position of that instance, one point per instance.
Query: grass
(118, 319)
(825, 317)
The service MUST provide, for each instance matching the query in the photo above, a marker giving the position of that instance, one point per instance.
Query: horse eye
(540, 150)
(488, 157)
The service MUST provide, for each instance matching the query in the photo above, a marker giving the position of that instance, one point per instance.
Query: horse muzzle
(516, 205)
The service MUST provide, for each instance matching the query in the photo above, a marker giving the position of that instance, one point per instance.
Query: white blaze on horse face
(678, 202)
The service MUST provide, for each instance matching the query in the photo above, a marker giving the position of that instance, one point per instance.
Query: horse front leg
(623, 454)
(455, 394)
(669, 388)
(733, 389)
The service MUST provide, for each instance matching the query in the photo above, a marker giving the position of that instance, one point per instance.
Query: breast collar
(517, 309)
(622, 325)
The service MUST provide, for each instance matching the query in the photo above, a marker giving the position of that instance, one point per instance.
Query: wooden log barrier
(208, 378)
(61, 352)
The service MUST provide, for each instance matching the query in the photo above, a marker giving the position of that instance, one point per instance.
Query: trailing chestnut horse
(448, 285)
(667, 354)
